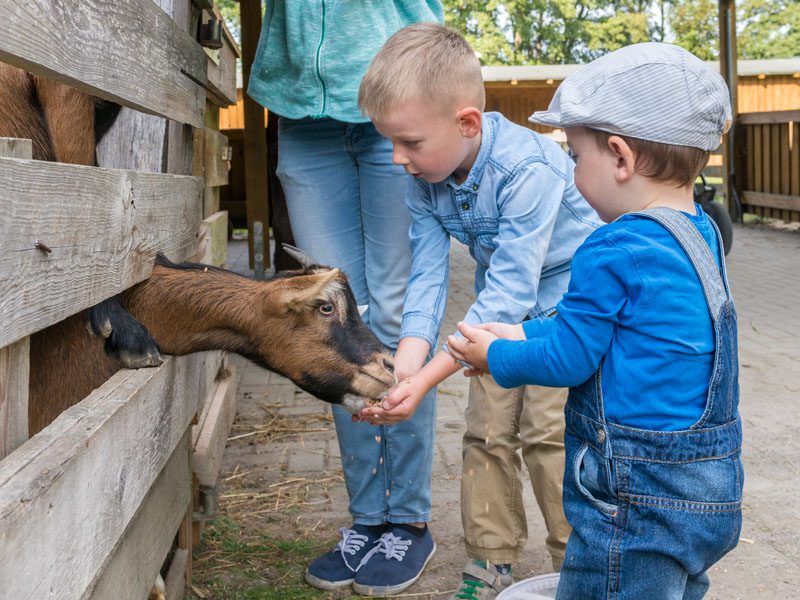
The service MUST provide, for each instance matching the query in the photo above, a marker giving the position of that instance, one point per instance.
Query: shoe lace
(351, 542)
(468, 589)
(390, 545)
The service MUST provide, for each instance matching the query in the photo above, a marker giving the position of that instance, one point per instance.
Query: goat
(303, 324)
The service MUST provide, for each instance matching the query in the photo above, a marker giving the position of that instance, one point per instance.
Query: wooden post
(15, 358)
(728, 56)
(255, 141)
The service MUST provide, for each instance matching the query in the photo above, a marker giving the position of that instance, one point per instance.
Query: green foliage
(769, 28)
(521, 32)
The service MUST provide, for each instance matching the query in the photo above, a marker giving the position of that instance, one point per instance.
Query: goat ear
(303, 290)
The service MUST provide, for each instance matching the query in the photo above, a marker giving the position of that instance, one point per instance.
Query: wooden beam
(212, 247)
(14, 359)
(728, 64)
(136, 562)
(255, 141)
(97, 231)
(70, 492)
(211, 433)
(769, 118)
(130, 52)
(776, 201)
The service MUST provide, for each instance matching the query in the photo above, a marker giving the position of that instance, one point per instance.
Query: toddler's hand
(503, 330)
(474, 348)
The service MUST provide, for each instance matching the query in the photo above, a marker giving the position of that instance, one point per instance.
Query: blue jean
(346, 203)
(652, 511)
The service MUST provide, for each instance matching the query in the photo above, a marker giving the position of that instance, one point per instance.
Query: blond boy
(508, 193)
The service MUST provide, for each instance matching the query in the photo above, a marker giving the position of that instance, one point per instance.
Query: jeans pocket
(593, 478)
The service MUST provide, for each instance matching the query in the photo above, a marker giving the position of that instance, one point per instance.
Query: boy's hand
(474, 348)
(399, 405)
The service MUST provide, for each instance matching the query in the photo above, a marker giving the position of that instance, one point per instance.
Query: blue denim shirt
(522, 217)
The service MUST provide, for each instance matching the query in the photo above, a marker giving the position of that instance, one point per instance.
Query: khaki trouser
(499, 422)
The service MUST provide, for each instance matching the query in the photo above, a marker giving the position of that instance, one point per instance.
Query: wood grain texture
(130, 52)
(136, 562)
(212, 432)
(68, 494)
(103, 227)
(14, 378)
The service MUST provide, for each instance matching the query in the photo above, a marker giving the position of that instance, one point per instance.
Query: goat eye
(326, 309)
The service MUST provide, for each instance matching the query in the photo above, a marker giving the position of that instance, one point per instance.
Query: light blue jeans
(347, 208)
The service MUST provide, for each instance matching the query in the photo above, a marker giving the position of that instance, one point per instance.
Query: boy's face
(428, 143)
(594, 174)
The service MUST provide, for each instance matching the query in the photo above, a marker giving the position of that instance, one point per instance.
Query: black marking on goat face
(331, 388)
(352, 339)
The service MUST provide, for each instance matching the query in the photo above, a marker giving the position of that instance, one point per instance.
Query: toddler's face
(594, 174)
(426, 142)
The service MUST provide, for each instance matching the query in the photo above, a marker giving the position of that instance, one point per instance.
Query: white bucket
(542, 587)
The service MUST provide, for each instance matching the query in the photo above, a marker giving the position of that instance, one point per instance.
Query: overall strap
(694, 244)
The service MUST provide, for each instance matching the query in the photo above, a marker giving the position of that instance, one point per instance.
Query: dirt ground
(282, 495)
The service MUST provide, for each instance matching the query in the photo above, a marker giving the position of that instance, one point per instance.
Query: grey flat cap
(652, 91)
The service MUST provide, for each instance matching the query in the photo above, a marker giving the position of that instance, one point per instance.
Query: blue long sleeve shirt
(635, 306)
(522, 217)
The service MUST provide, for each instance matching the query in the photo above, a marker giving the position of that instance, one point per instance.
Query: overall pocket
(594, 477)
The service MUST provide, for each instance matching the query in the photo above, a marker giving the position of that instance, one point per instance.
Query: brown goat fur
(302, 324)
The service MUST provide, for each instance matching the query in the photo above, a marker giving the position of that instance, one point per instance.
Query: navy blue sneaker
(395, 562)
(338, 567)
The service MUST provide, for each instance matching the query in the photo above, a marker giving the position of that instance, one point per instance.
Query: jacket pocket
(594, 478)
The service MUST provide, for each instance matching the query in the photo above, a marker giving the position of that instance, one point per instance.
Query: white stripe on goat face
(334, 293)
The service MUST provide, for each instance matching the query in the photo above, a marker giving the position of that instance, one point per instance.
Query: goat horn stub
(304, 259)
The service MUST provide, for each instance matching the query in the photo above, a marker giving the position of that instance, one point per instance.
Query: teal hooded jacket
(312, 55)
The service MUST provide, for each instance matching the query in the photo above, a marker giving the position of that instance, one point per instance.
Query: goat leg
(127, 340)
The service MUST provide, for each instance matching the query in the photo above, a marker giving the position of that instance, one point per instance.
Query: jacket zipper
(319, 73)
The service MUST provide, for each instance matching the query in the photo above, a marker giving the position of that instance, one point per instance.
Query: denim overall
(653, 510)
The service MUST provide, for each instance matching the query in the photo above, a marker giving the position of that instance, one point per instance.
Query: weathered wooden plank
(212, 247)
(774, 201)
(778, 116)
(69, 494)
(210, 156)
(221, 83)
(175, 580)
(215, 153)
(758, 153)
(14, 378)
(130, 52)
(783, 159)
(212, 432)
(148, 539)
(14, 359)
(255, 139)
(775, 159)
(794, 160)
(16, 148)
(102, 228)
(135, 142)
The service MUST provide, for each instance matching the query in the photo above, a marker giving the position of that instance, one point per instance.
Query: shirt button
(474, 188)
(465, 206)
(601, 436)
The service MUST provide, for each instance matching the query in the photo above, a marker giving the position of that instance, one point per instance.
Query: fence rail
(768, 164)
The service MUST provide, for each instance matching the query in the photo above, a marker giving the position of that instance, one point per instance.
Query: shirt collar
(473, 180)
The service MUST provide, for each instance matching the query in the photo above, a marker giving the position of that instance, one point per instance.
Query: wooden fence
(768, 163)
(90, 506)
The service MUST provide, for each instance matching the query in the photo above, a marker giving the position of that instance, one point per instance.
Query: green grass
(232, 563)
